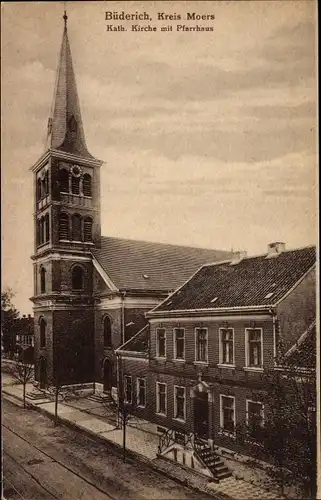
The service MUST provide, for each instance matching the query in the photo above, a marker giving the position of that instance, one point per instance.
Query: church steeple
(65, 128)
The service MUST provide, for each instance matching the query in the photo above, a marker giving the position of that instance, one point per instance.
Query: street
(42, 462)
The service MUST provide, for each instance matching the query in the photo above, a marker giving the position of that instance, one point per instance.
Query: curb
(131, 456)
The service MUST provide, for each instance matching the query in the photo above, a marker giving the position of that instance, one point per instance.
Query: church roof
(252, 282)
(65, 127)
(142, 265)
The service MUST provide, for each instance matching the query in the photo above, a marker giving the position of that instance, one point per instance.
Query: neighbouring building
(90, 292)
(24, 332)
(197, 369)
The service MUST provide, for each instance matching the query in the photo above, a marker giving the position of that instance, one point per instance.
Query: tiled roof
(142, 265)
(254, 281)
(303, 353)
(138, 343)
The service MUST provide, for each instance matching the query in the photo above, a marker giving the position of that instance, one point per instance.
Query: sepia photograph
(159, 301)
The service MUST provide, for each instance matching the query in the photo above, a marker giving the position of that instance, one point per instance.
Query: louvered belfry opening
(87, 190)
(88, 223)
(63, 226)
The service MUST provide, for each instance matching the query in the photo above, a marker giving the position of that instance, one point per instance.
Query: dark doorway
(201, 414)
(108, 374)
(43, 373)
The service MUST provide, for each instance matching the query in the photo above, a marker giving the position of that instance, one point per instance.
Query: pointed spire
(65, 128)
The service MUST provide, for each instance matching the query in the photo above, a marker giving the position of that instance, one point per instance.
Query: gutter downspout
(123, 318)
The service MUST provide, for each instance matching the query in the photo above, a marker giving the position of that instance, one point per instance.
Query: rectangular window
(128, 389)
(201, 344)
(161, 343)
(179, 403)
(254, 348)
(227, 346)
(161, 392)
(179, 343)
(141, 392)
(254, 418)
(228, 414)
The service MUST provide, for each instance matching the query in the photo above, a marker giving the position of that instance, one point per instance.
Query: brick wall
(213, 340)
(73, 352)
(47, 351)
(297, 311)
(137, 317)
(101, 353)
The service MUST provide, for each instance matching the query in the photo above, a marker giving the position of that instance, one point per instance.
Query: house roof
(138, 343)
(254, 281)
(303, 353)
(142, 265)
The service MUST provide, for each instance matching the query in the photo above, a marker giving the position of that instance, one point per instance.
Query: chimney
(238, 256)
(275, 248)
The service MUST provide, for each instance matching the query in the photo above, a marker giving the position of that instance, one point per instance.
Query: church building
(91, 292)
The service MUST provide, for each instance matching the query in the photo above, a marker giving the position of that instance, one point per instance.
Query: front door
(43, 373)
(108, 373)
(201, 415)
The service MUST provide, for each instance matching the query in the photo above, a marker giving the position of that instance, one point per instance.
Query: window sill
(253, 369)
(164, 415)
(179, 360)
(180, 420)
(161, 358)
(222, 365)
(203, 363)
(141, 406)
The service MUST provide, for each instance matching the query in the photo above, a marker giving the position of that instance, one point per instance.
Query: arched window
(39, 189)
(88, 224)
(42, 325)
(76, 227)
(75, 185)
(42, 280)
(63, 181)
(87, 185)
(63, 226)
(47, 232)
(77, 278)
(107, 332)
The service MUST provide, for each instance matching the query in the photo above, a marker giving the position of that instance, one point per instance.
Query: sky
(208, 138)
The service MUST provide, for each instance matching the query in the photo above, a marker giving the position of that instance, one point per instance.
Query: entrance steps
(37, 397)
(213, 462)
(101, 398)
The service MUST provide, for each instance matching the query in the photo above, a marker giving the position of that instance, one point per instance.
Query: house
(197, 369)
(90, 292)
(24, 332)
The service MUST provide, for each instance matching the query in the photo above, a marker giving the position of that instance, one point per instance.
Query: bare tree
(287, 437)
(23, 373)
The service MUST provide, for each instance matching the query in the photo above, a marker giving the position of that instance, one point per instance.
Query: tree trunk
(56, 406)
(124, 439)
(24, 394)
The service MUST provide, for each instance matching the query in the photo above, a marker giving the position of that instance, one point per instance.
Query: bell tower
(66, 228)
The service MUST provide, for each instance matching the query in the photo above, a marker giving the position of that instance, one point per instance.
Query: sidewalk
(86, 416)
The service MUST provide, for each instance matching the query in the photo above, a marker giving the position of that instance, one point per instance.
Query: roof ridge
(165, 244)
(248, 257)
